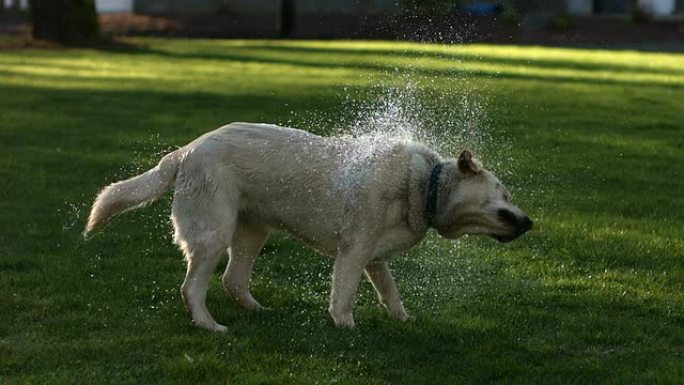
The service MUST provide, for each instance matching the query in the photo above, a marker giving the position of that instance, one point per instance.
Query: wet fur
(232, 186)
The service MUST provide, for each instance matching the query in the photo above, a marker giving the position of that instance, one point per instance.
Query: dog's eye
(506, 197)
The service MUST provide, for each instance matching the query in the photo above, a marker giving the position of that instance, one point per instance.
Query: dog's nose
(521, 224)
(526, 223)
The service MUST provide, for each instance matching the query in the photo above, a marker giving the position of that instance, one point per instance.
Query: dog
(357, 201)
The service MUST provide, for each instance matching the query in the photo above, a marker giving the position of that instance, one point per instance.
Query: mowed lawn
(591, 143)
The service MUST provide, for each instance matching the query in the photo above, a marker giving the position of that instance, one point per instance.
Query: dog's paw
(347, 323)
(400, 314)
(344, 320)
(403, 317)
(212, 326)
(219, 328)
(249, 303)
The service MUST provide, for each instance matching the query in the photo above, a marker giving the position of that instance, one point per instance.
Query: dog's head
(473, 201)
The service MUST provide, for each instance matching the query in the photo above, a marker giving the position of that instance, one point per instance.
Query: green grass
(591, 143)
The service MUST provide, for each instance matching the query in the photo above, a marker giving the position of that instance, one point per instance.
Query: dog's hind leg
(247, 242)
(204, 218)
(381, 277)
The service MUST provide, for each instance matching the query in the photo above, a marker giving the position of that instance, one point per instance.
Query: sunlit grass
(323, 63)
(591, 143)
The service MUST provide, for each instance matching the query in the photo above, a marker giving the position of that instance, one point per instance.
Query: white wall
(110, 6)
(658, 7)
(102, 6)
(22, 3)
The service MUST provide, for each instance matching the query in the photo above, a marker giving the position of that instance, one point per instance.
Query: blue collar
(431, 207)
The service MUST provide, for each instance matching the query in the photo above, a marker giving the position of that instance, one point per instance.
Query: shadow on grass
(510, 330)
(458, 57)
(243, 54)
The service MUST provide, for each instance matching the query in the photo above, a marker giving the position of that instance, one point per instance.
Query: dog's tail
(135, 192)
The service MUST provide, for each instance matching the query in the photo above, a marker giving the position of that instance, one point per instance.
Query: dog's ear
(467, 164)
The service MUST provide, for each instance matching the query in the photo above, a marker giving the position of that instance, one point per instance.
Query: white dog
(358, 203)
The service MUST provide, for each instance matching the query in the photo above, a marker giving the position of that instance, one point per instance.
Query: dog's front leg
(345, 282)
(381, 277)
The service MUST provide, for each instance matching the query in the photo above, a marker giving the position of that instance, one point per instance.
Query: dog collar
(433, 185)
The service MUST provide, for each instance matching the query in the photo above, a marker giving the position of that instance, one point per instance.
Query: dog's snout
(526, 223)
(522, 224)
(508, 217)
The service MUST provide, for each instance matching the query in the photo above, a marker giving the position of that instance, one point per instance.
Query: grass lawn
(591, 142)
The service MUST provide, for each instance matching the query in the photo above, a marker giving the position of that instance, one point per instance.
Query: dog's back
(292, 179)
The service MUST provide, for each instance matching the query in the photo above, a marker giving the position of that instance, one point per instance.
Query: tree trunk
(68, 22)
(286, 15)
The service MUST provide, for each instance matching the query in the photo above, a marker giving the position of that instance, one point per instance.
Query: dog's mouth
(505, 238)
(519, 226)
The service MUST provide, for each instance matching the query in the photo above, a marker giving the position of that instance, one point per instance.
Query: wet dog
(358, 202)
